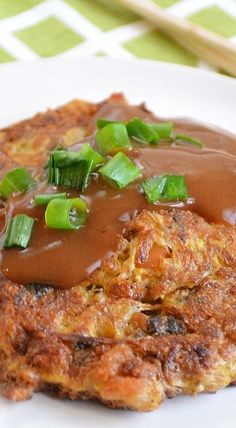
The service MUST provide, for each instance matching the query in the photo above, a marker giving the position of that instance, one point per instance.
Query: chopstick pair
(210, 47)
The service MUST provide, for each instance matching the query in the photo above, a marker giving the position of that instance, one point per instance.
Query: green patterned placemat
(41, 28)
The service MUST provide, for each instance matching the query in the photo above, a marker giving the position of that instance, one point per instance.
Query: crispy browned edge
(28, 142)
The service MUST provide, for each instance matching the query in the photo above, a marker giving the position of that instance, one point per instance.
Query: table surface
(30, 29)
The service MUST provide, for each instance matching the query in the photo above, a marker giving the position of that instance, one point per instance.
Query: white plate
(169, 90)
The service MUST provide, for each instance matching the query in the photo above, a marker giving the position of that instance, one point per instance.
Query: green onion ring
(67, 214)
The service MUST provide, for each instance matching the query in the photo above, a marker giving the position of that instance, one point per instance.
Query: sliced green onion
(164, 129)
(112, 137)
(45, 198)
(186, 139)
(86, 152)
(165, 187)
(120, 171)
(149, 132)
(104, 122)
(76, 177)
(69, 170)
(142, 131)
(16, 180)
(67, 214)
(153, 188)
(18, 231)
(64, 158)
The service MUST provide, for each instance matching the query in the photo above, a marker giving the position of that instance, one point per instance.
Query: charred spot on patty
(38, 290)
(165, 325)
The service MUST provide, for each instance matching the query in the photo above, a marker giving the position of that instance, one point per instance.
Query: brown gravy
(64, 258)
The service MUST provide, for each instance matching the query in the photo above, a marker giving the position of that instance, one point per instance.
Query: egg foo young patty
(156, 317)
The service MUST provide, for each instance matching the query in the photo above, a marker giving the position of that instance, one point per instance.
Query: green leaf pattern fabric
(30, 29)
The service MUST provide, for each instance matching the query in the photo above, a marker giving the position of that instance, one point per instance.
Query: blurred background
(30, 29)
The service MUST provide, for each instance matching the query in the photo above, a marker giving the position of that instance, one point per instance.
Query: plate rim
(205, 74)
(211, 74)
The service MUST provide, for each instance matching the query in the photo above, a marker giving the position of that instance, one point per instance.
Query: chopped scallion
(186, 139)
(149, 132)
(67, 214)
(18, 231)
(16, 180)
(165, 187)
(164, 129)
(142, 131)
(88, 153)
(77, 176)
(69, 170)
(112, 137)
(64, 158)
(120, 171)
(45, 198)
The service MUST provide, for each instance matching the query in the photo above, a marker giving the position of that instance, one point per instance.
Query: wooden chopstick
(211, 47)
